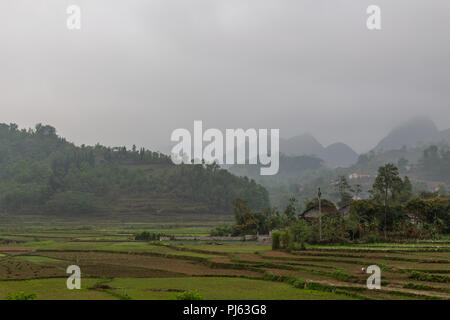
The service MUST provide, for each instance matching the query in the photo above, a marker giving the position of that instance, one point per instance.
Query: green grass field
(215, 288)
(34, 257)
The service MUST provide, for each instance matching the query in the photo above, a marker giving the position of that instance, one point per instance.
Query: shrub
(301, 232)
(224, 230)
(341, 275)
(296, 282)
(272, 277)
(319, 286)
(422, 276)
(147, 236)
(189, 295)
(276, 235)
(287, 239)
(284, 240)
(411, 285)
(299, 283)
(20, 296)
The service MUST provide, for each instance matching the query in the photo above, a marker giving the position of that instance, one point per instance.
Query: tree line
(41, 172)
(392, 212)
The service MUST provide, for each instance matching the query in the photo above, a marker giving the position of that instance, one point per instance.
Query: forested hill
(42, 173)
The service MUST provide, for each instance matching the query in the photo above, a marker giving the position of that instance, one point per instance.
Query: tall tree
(406, 190)
(386, 184)
(291, 210)
(344, 190)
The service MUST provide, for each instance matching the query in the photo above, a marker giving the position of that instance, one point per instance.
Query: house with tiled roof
(314, 213)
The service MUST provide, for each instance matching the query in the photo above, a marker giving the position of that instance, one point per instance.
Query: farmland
(34, 257)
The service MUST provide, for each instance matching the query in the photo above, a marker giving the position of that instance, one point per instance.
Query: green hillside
(43, 173)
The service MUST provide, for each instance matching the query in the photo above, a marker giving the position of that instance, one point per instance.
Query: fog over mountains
(334, 155)
(416, 132)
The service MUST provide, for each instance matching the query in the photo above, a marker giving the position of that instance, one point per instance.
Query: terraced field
(34, 260)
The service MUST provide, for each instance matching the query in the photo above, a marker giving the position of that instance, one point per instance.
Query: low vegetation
(129, 269)
(21, 296)
(189, 295)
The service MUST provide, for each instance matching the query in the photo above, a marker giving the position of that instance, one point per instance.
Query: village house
(314, 213)
(355, 176)
(413, 219)
(435, 185)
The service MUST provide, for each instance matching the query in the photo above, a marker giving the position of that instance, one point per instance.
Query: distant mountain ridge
(335, 155)
(418, 131)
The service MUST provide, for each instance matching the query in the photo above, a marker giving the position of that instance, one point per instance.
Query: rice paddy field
(34, 256)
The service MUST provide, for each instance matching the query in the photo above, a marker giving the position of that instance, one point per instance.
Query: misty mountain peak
(335, 155)
(415, 132)
(304, 144)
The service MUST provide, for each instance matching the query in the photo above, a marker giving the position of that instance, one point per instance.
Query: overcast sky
(138, 69)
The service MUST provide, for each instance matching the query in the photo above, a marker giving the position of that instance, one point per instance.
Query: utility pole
(385, 214)
(319, 194)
